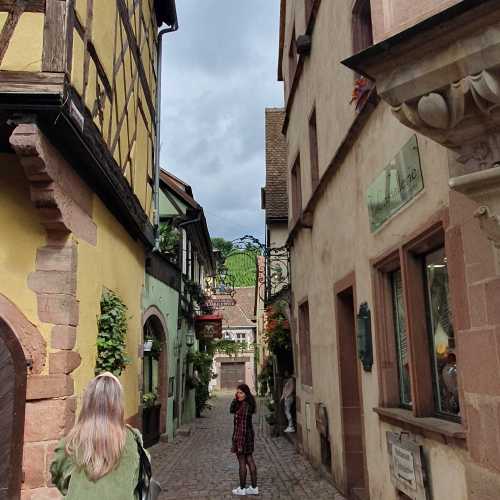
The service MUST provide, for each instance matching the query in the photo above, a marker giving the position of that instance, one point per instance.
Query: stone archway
(154, 325)
(13, 375)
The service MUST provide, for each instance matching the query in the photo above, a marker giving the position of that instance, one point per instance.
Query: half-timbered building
(78, 128)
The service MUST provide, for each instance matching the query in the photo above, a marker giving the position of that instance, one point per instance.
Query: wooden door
(12, 403)
(232, 374)
(351, 401)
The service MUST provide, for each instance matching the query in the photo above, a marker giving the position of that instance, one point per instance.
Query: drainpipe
(156, 221)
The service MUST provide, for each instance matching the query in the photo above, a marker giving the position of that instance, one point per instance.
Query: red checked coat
(243, 435)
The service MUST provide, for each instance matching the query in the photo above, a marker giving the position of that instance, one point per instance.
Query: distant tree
(224, 246)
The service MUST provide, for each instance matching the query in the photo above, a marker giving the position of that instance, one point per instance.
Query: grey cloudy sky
(219, 75)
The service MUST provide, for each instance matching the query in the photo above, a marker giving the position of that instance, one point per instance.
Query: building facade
(238, 325)
(78, 128)
(194, 260)
(392, 232)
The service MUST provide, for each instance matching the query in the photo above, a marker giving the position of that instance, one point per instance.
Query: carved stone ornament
(464, 117)
(489, 223)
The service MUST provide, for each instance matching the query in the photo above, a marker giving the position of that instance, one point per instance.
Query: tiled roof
(241, 314)
(182, 189)
(276, 197)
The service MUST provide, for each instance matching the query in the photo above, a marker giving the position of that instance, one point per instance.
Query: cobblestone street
(201, 465)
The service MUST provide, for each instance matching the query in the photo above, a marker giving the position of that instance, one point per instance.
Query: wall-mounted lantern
(190, 339)
(148, 344)
(364, 333)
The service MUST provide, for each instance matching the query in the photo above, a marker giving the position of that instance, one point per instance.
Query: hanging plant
(198, 296)
(112, 334)
(360, 91)
(277, 329)
(156, 346)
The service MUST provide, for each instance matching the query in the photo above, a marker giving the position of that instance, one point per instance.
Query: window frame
(362, 31)
(296, 184)
(293, 58)
(409, 257)
(313, 148)
(305, 353)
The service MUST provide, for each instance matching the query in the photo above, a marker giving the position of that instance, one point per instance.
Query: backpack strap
(144, 466)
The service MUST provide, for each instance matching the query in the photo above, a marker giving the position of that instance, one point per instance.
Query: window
(415, 334)
(296, 190)
(305, 344)
(313, 150)
(442, 337)
(184, 251)
(241, 337)
(362, 31)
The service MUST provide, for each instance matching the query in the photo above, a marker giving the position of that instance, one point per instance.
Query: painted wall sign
(407, 466)
(399, 182)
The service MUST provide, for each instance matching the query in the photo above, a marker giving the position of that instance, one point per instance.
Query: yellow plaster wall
(21, 234)
(25, 47)
(98, 267)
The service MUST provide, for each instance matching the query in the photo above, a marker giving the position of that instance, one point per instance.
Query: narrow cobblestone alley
(202, 466)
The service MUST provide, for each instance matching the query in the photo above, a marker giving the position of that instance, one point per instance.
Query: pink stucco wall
(392, 16)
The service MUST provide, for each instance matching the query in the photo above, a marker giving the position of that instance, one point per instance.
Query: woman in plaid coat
(243, 407)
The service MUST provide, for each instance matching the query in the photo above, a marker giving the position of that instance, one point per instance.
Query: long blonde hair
(97, 440)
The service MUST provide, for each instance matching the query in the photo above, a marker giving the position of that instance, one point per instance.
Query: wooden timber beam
(31, 6)
(17, 7)
(134, 48)
(54, 36)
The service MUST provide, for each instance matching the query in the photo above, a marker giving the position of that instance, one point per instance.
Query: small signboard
(399, 182)
(208, 327)
(407, 466)
(221, 302)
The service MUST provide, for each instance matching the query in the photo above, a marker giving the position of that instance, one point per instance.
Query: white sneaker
(240, 491)
(289, 429)
(252, 491)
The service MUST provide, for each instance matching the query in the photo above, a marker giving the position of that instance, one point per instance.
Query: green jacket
(117, 485)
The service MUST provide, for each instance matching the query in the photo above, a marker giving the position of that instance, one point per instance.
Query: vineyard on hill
(243, 267)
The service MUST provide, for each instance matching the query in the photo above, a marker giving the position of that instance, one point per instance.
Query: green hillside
(243, 266)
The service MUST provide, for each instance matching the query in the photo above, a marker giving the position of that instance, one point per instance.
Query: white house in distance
(238, 324)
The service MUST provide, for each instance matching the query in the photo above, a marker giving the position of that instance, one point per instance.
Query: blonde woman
(99, 458)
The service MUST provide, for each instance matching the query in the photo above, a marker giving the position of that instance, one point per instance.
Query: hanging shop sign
(221, 302)
(399, 182)
(408, 473)
(209, 327)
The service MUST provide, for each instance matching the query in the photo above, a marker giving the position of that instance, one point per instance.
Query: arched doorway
(154, 399)
(12, 406)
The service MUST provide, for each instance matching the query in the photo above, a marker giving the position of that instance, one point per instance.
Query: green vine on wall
(112, 335)
(202, 363)
(230, 347)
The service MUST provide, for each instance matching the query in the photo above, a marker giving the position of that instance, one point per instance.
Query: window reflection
(443, 354)
(401, 339)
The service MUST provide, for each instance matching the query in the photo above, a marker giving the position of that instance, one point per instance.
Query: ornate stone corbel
(489, 223)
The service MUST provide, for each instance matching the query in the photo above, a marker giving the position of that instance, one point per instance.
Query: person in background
(288, 398)
(243, 407)
(99, 458)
